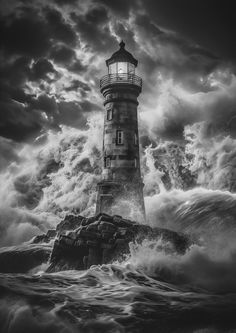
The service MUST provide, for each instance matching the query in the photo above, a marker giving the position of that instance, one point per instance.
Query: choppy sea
(152, 289)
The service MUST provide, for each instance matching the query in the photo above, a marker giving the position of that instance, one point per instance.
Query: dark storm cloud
(77, 84)
(121, 7)
(77, 67)
(31, 32)
(74, 114)
(32, 39)
(18, 119)
(44, 103)
(183, 55)
(41, 68)
(15, 72)
(210, 23)
(172, 55)
(17, 122)
(178, 40)
(93, 29)
(65, 2)
(25, 35)
(59, 29)
(62, 54)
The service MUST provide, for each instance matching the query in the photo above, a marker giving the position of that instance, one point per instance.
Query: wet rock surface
(82, 242)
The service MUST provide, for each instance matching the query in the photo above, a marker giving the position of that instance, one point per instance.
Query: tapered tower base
(117, 198)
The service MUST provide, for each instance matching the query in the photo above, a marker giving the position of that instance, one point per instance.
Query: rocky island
(82, 242)
(79, 242)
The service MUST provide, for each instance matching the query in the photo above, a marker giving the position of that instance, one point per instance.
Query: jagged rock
(51, 233)
(102, 238)
(107, 227)
(41, 239)
(45, 238)
(70, 222)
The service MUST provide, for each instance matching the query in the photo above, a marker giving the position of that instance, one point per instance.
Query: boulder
(70, 222)
(107, 227)
(102, 239)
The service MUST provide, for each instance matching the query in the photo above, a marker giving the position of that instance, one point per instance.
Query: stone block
(89, 234)
(71, 235)
(120, 242)
(41, 239)
(51, 233)
(102, 240)
(106, 256)
(94, 256)
(67, 240)
(70, 222)
(107, 227)
(93, 226)
(122, 231)
(123, 223)
(105, 218)
(116, 218)
(91, 220)
(106, 235)
(84, 221)
(80, 242)
(106, 246)
(85, 262)
(92, 243)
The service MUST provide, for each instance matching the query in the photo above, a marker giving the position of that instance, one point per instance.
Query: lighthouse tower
(121, 189)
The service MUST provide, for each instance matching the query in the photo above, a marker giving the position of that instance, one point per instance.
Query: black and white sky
(51, 111)
(53, 55)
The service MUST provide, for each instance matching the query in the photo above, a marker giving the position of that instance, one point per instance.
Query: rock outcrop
(82, 242)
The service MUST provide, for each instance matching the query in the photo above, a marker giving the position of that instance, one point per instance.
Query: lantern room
(121, 69)
(121, 62)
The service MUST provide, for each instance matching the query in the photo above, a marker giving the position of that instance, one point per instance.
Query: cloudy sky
(52, 57)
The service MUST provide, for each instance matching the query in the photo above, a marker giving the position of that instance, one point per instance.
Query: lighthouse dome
(122, 55)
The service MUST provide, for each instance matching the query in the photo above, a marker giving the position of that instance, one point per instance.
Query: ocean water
(111, 298)
(151, 289)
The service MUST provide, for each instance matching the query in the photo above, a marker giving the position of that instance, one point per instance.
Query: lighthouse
(120, 192)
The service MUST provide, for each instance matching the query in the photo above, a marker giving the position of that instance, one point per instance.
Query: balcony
(120, 79)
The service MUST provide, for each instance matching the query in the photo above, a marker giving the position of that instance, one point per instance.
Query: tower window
(119, 137)
(108, 162)
(109, 114)
(131, 68)
(122, 67)
(135, 162)
(135, 139)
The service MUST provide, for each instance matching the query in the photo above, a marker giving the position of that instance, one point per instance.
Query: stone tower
(121, 189)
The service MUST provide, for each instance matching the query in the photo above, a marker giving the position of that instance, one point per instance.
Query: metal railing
(125, 78)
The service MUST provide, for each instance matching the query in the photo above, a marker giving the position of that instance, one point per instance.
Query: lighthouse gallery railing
(120, 78)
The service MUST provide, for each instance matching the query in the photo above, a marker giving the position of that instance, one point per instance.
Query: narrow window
(131, 68)
(108, 162)
(109, 114)
(135, 162)
(112, 69)
(135, 139)
(120, 137)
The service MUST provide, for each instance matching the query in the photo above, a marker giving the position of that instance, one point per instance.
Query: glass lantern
(121, 68)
